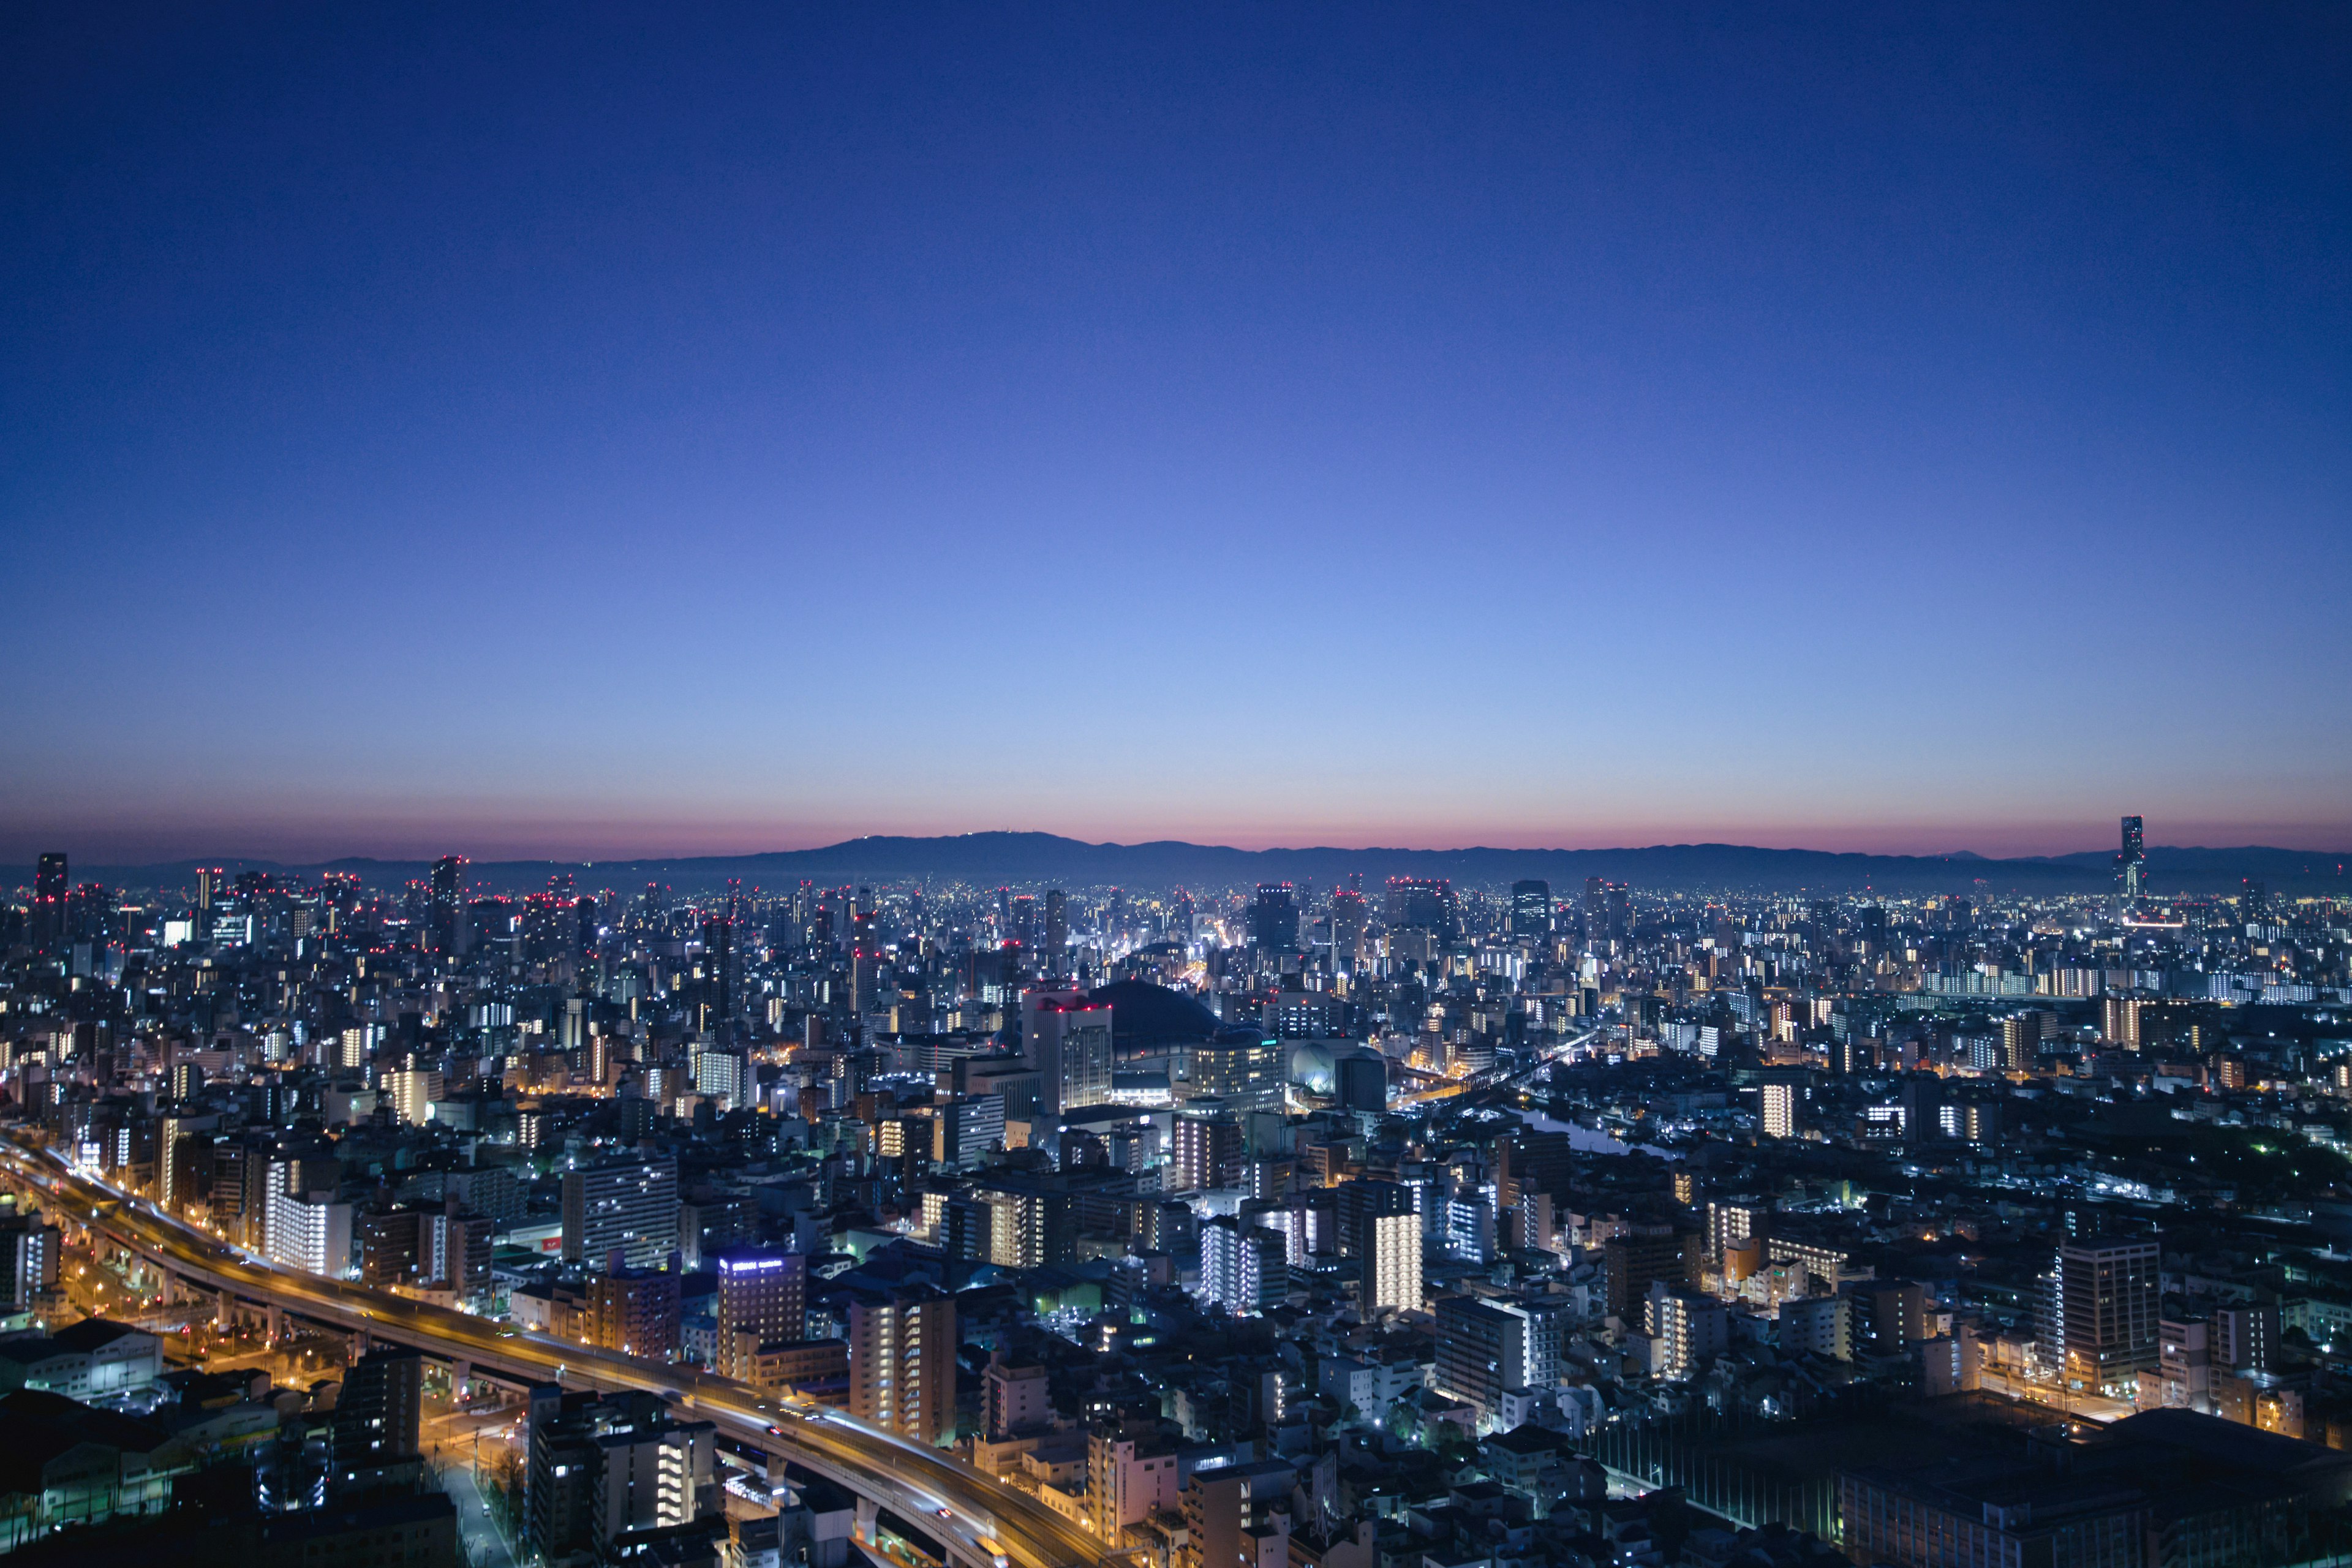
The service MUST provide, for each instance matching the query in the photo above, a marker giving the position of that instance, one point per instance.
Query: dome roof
(1143, 1014)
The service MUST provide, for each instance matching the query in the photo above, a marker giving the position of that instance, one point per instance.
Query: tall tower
(2131, 858)
(444, 925)
(49, 880)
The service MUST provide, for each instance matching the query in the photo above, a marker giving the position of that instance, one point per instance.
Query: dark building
(46, 926)
(1422, 903)
(377, 1417)
(445, 924)
(1531, 911)
(1274, 917)
(719, 971)
(1360, 1081)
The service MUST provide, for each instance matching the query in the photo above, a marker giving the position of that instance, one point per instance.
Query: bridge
(977, 1520)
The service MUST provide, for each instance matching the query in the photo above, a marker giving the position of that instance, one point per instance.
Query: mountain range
(989, 860)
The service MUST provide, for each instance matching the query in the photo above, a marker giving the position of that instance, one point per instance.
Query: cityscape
(1027, 785)
(1368, 1223)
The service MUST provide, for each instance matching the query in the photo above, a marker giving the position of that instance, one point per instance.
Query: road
(900, 1474)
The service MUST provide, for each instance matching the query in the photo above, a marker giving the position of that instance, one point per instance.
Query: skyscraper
(1056, 946)
(1531, 911)
(1274, 917)
(2130, 860)
(1067, 1037)
(718, 967)
(444, 926)
(47, 924)
(1422, 903)
(1349, 918)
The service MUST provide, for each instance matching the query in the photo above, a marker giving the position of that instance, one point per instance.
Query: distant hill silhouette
(987, 859)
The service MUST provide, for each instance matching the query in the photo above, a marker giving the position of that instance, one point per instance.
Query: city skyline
(721, 432)
(2067, 843)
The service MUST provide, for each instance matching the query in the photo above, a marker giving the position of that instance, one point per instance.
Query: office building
(1242, 1066)
(1360, 1081)
(1422, 904)
(1274, 919)
(445, 926)
(1532, 913)
(1066, 1036)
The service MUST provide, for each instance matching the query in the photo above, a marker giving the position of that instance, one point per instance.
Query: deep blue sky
(660, 429)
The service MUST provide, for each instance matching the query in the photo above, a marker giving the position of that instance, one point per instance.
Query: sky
(600, 431)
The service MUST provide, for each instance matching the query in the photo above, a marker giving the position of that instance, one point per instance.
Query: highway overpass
(984, 1517)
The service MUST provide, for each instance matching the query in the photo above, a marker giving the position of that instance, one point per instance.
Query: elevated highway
(975, 1518)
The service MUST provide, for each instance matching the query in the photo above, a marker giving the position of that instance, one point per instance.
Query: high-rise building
(2109, 1308)
(28, 1261)
(1393, 1254)
(719, 971)
(412, 1091)
(1054, 949)
(1531, 911)
(1274, 917)
(46, 920)
(1066, 1035)
(600, 1468)
(2130, 860)
(1241, 1065)
(1243, 1265)
(1207, 1153)
(1482, 1352)
(309, 1232)
(444, 925)
(1350, 918)
(630, 1208)
(902, 1361)
(1360, 1081)
(1422, 903)
(378, 1416)
(1779, 1109)
(1014, 1399)
(635, 1311)
(762, 1296)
